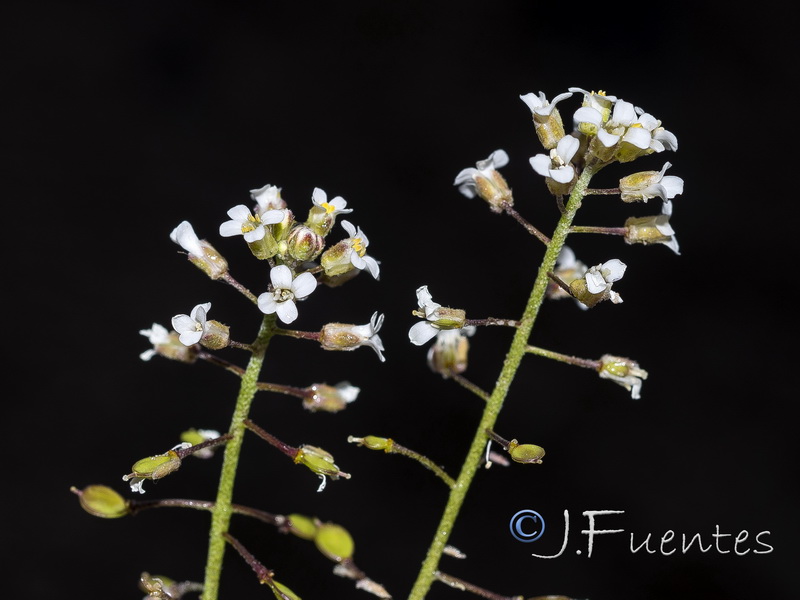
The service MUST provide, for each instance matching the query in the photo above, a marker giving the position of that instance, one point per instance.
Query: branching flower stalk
(221, 513)
(491, 412)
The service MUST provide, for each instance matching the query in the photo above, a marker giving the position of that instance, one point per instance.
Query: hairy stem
(221, 513)
(427, 573)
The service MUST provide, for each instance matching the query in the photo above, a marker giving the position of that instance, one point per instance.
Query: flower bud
(623, 371)
(319, 461)
(320, 396)
(102, 501)
(335, 542)
(201, 253)
(530, 454)
(304, 243)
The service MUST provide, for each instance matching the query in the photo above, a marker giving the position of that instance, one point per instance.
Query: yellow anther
(329, 208)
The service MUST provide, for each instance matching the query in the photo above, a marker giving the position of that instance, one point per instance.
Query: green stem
(221, 513)
(427, 573)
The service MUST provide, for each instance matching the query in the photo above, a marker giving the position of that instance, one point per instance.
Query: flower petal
(281, 277)
(303, 285)
(541, 163)
(287, 311)
(421, 332)
(267, 304)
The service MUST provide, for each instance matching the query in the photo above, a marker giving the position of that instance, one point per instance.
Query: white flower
(344, 336)
(557, 166)
(468, 179)
(157, 334)
(437, 318)
(423, 331)
(659, 139)
(244, 223)
(540, 106)
(186, 238)
(285, 291)
(368, 334)
(600, 277)
(650, 184)
(267, 198)
(192, 327)
(597, 100)
(358, 256)
(337, 206)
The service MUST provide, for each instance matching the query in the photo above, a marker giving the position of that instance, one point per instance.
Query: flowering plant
(298, 258)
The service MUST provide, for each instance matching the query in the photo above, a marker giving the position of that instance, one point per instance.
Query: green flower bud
(304, 244)
(102, 501)
(301, 526)
(335, 542)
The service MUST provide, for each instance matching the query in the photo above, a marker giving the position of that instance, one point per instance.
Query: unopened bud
(304, 243)
(623, 371)
(102, 501)
(320, 396)
(334, 541)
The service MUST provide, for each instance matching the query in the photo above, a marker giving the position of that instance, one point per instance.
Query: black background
(122, 119)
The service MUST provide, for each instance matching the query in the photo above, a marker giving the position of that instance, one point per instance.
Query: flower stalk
(221, 513)
(518, 349)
